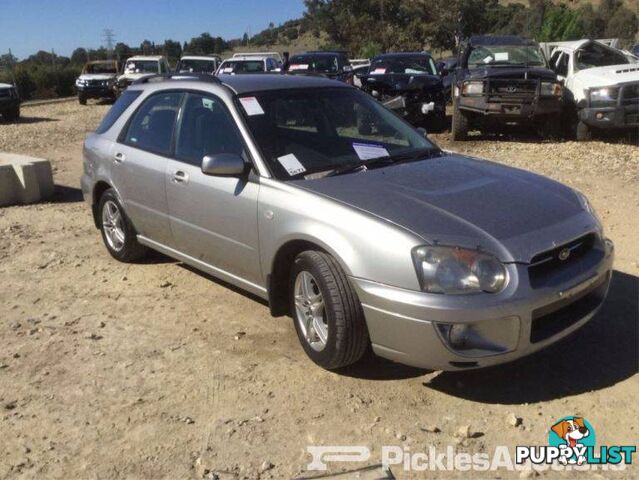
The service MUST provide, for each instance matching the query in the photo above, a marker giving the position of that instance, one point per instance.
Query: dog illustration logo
(572, 435)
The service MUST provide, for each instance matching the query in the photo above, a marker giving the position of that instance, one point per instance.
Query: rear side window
(118, 108)
(151, 127)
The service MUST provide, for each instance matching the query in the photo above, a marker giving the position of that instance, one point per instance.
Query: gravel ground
(156, 371)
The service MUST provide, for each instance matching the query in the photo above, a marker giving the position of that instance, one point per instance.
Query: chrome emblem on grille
(564, 254)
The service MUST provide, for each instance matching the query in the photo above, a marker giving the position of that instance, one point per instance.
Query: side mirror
(223, 164)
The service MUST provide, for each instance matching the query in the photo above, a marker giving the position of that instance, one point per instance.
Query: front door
(213, 218)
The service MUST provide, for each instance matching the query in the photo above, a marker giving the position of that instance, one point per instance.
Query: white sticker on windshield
(501, 56)
(227, 70)
(366, 151)
(378, 71)
(298, 66)
(291, 164)
(251, 106)
(488, 59)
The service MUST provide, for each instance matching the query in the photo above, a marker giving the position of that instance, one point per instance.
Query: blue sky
(27, 26)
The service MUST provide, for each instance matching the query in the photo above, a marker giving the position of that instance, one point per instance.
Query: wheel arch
(98, 190)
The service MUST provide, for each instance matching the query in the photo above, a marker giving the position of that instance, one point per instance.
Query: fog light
(600, 116)
(458, 335)
(478, 339)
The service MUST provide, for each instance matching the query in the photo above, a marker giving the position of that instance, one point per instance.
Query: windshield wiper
(414, 155)
(351, 167)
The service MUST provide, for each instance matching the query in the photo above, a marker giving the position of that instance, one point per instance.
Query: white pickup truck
(601, 86)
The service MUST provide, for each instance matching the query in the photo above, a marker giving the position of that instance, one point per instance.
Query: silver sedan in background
(310, 194)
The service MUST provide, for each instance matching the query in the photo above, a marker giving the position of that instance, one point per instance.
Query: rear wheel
(118, 234)
(328, 316)
(461, 123)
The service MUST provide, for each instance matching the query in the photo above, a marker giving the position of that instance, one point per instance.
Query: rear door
(141, 157)
(213, 218)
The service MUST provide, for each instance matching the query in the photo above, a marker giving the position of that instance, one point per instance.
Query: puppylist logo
(572, 441)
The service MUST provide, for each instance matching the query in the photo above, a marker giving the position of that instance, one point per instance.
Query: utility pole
(109, 38)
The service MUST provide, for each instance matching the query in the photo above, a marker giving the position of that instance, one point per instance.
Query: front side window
(151, 127)
(315, 131)
(206, 128)
(506, 55)
(118, 108)
(404, 64)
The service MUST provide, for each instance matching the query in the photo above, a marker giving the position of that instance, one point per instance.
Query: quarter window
(152, 125)
(206, 128)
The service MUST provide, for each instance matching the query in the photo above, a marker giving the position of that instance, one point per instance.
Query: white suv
(249, 63)
(198, 64)
(141, 66)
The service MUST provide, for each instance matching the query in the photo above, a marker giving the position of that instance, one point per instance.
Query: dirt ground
(154, 370)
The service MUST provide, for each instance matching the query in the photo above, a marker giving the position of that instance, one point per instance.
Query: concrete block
(24, 179)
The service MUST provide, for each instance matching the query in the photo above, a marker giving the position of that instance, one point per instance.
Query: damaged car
(410, 85)
(601, 87)
(334, 65)
(97, 80)
(139, 67)
(505, 80)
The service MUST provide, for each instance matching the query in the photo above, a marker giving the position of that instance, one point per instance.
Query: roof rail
(201, 77)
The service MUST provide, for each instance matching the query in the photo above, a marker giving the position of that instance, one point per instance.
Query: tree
(79, 56)
(172, 49)
(122, 51)
(623, 24)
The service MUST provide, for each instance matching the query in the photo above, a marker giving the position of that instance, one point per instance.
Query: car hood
(457, 200)
(611, 75)
(511, 72)
(400, 82)
(97, 76)
(134, 76)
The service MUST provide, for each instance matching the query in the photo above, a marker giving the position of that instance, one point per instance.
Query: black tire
(82, 99)
(549, 128)
(131, 250)
(12, 115)
(583, 132)
(347, 338)
(461, 123)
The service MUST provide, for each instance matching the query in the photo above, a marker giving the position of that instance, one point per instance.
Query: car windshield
(191, 65)
(506, 55)
(101, 68)
(314, 63)
(404, 64)
(598, 56)
(141, 66)
(242, 66)
(306, 133)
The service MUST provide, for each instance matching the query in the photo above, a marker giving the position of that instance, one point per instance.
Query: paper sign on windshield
(251, 106)
(378, 71)
(291, 164)
(227, 70)
(501, 56)
(298, 66)
(366, 151)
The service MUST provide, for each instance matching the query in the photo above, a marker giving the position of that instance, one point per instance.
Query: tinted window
(126, 99)
(152, 126)
(206, 128)
(314, 63)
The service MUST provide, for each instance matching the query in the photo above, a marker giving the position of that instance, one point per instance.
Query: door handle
(180, 177)
(119, 157)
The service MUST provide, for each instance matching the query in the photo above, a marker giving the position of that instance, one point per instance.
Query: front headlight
(551, 89)
(604, 95)
(455, 270)
(473, 88)
(80, 82)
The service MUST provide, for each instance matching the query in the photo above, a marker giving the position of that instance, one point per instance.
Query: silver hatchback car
(310, 194)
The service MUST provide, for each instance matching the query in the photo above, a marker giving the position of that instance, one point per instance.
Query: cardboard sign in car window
(291, 164)
(501, 56)
(378, 71)
(367, 151)
(298, 66)
(251, 106)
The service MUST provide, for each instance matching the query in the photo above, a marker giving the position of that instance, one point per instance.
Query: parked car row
(556, 88)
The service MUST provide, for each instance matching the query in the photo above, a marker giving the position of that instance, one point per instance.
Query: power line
(109, 40)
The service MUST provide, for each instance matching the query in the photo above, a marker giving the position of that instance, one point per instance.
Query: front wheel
(13, 115)
(118, 233)
(461, 123)
(583, 132)
(82, 99)
(328, 316)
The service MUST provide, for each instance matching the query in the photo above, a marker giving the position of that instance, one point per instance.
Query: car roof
(145, 57)
(200, 57)
(402, 54)
(249, 58)
(501, 40)
(319, 54)
(241, 84)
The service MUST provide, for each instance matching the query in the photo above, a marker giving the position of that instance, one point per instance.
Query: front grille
(513, 89)
(550, 320)
(630, 94)
(549, 262)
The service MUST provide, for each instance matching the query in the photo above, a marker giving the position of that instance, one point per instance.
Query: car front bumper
(615, 117)
(511, 109)
(101, 91)
(8, 104)
(403, 324)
